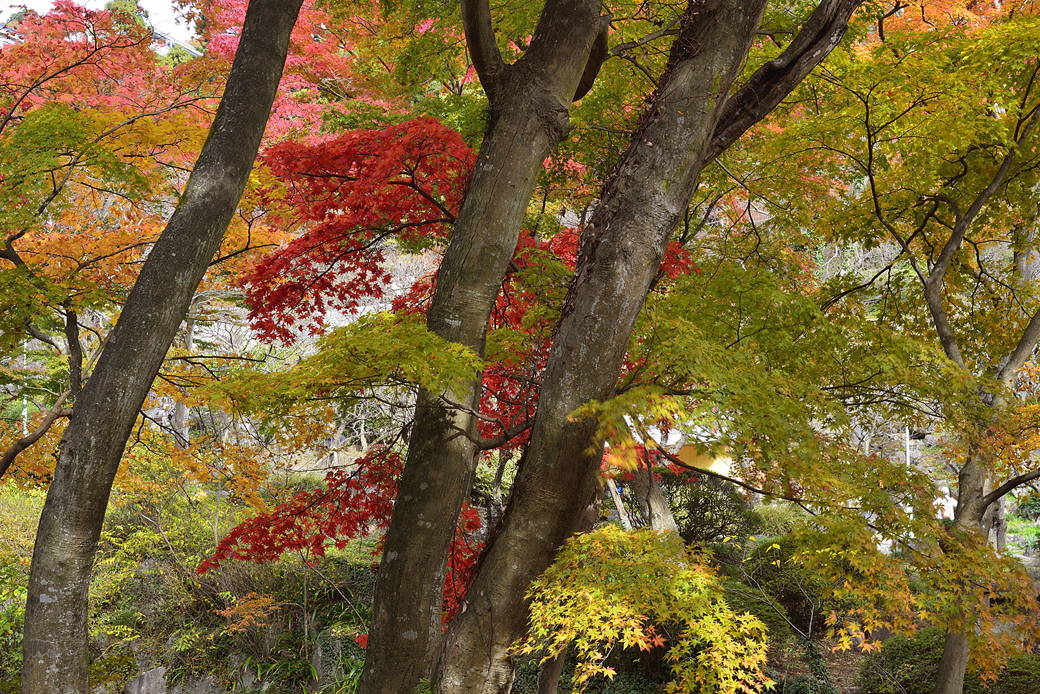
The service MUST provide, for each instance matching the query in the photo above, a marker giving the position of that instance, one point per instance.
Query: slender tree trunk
(181, 419)
(549, 674)
(626, 522)
(55, 643)
(528, 103)
(686, 125)
(969, 515)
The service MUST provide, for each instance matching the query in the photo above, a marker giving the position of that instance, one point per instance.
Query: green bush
(1020, 676)
(773, 569)
(709, 509)
(909, 665)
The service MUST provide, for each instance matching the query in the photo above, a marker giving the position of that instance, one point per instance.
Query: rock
(328, 652)
(206, 685)
(151, 682)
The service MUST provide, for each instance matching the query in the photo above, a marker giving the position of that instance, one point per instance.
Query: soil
(842, 666)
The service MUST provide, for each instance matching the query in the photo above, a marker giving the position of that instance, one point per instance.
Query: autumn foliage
(354, 502)
(352, 194)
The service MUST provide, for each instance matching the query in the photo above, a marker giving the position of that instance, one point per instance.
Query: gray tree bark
(529, 103)
(652, 501)
(688, 122)
(55, 643)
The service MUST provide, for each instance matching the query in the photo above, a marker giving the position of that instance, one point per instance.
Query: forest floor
(842, 667)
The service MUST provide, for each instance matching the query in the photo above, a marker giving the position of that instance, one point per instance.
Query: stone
(151, 682)
(206, 685)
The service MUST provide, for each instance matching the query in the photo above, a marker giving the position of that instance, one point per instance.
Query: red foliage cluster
(352, 504)
(74, 56)
(465, 551)
(320, 80)
(352, 193)
(511, 384)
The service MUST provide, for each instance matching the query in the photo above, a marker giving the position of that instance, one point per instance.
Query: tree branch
(21, 444)
(480, 38)
(1007, 487)
(597, 56)
(768, 86)
(75, 355)
(1023, 350)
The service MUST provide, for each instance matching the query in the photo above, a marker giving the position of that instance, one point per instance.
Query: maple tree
(606, 586)
(951, 214)
(436, 478)
(93, 128)
(344, 189)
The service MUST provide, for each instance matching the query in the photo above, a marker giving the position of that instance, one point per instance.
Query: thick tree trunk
(529, 102)
(622, 247)
(621, 252)
(55, 643)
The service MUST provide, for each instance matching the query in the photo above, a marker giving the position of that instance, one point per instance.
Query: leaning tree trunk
(685, 126)
(55, 643)
(528, 104)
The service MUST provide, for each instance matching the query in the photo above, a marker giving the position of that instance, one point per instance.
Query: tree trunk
(621, 252)
(549, 674)
(528, 102)
(652, 501)
(55, 643)
(969, 515)
(686, 124)
(626, 522)
(180, 421)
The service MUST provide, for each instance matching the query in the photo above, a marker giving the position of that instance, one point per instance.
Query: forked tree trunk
(529, 117)
(55, 643)
(621, 252)
(686, 125)
(652, 501)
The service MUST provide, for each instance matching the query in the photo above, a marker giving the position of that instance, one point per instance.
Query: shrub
(909, 665)
(708, 509)
(773, 569)
(1029, 507)
(905, 664)
(1020, 676)
(743, 598)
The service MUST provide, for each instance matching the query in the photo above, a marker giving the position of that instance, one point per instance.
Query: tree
(528, 117)
(622, 249)
(55, 648)
(80, 183)
(955, 216)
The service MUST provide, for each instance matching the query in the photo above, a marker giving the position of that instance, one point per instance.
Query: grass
(1017, 525)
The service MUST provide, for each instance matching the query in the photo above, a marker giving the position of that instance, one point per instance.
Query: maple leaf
(351, 196)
